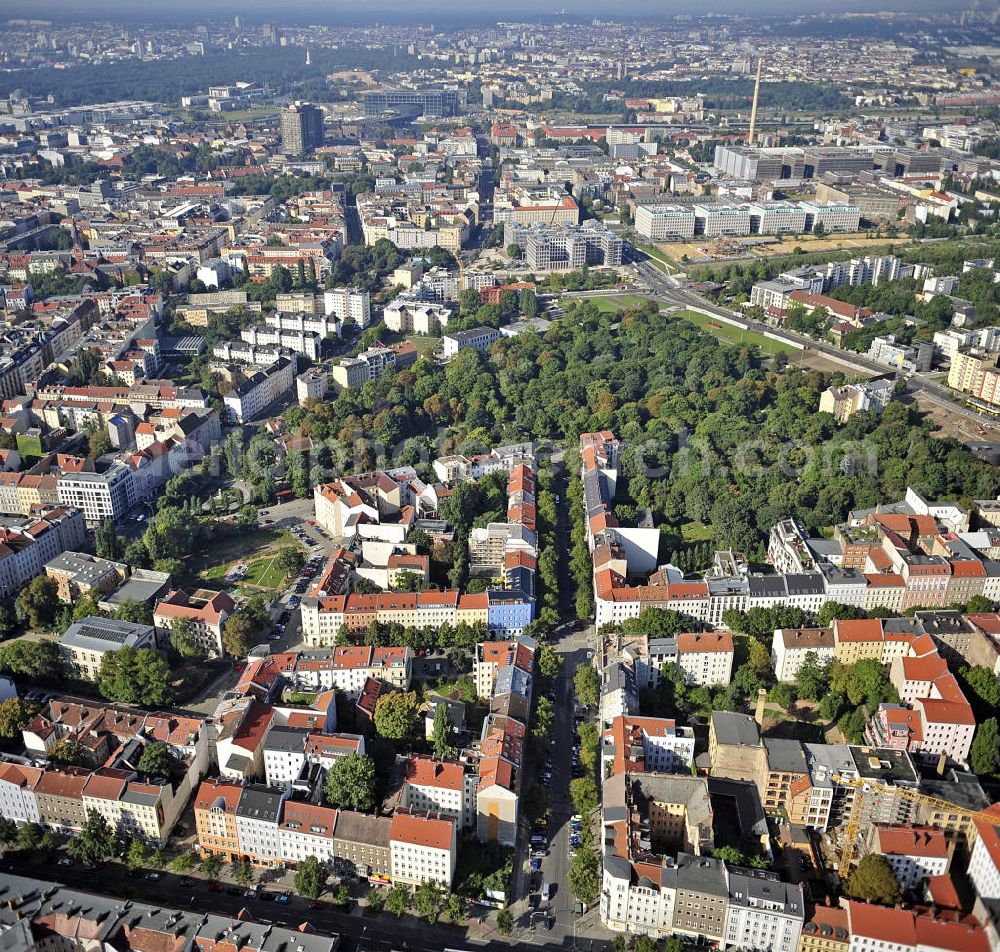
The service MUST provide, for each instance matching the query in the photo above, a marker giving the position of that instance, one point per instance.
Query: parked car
(281, 897)
(536, 864)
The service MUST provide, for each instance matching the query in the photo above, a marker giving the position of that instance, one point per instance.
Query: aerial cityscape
(483, 477)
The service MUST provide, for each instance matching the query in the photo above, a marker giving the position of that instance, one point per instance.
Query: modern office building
(415, 102)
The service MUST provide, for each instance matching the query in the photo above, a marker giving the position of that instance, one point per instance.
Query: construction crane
(864, 787)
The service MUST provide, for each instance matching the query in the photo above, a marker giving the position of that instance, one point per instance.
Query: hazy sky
(448, 10)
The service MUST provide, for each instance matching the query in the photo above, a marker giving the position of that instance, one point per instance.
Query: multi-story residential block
(348, 305)
(915, 853)
(423, 847)
(249, 398)
(85, 643)
(257, 815)
(705, 658)
(438, 786)
(205, 613)
(415, 316)
(478, 338)
(790, 647)
(25, 549)
(762, 912)
(881, 929)
(105, 496)
(79, 573)
(664, 222)
(350, 373)
(984, 864)
(64, 915)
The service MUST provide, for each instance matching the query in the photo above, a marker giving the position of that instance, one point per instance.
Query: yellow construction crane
(865, 787)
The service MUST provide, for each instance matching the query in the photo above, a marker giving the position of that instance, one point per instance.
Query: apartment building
(984, 864)
(881, 929)
(257, 815)
(438, 786)
(348, 305)
(790, 647)
(414, 316)
(204, 611)
(25, 549)
(101, 497)
(34, 907)
(85, 643)
(974, 372)
(351, 373)
(664, 222)
(306, 829)
(915, 853)
(705, 658)
(79, 573)
(423, 847)
(260, 389)
(478, 338)
(290, 751)
(762, 912)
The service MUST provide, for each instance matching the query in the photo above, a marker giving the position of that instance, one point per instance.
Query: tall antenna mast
(753, 108)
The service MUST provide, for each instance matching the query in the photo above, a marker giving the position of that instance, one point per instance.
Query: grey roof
(143, 586)
(761, 585)
(785, 755)
(24, 898)
(472, 334)
(703, 874)
(94, 633)
(735, 729)
(85, 569)
(808, 583)
(752, 887)
(289, 739)
(258, 802)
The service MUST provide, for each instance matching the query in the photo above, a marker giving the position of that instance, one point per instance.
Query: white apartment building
(311, 385)
(348, 305)
(705, 658)
(437, 786)
(406, 316)
(914, 853)
(322, 325)
(100, 497)
(791, 646)
(423, 846)
(478, 338)
(259, 390)
(833, 216)
(305, 342)
(772, 218)
(257, 823)
(714, 221)
(306, 830)
(984, 865)
(763, 914)
(17, 793)
(664, 222)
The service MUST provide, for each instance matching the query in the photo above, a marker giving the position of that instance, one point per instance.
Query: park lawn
(610, 305)
(264, 573)
(238, 547)
(696, 532)
(735, 335)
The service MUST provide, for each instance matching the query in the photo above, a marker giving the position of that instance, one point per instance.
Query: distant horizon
(451, 12)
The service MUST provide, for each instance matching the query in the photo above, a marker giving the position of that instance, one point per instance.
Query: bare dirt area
(705, 251)
(948, 422)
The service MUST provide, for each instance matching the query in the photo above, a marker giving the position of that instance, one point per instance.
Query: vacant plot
(736, 335)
